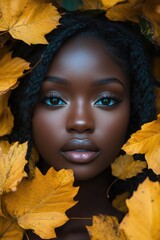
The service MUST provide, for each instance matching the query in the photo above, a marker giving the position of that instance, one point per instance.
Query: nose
(80, 118)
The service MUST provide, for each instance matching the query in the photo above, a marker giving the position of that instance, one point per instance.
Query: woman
(92, 88)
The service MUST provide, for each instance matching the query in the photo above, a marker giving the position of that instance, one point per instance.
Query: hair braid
(124, 45)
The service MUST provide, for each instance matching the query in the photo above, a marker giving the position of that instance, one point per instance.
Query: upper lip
(80, 144)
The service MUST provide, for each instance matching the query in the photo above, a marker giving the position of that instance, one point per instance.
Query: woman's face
(81, 119)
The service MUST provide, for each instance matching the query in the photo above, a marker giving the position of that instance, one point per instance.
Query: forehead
(84, 56)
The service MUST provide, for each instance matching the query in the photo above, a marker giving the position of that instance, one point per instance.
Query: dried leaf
(124, 12)
(147, 141)
(94, 4)
(6, 117)
(105, 228)
(40, 203)
(28, 20)
(12, 167)
(158, 100)
(126, 167)
(156, 69)
(9, 229)
(10, 70)
(143, 220)
(5, 146)
(32, 162)
(111, 3)
(120, 202)
(151, 12)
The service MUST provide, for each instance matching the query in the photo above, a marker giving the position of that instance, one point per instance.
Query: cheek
(47, 130)
(112, 129)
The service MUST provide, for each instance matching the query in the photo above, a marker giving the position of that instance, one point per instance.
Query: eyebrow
(105, 81)
(99, 82)
(57, 80)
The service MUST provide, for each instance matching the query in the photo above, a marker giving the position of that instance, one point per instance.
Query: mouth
(80, 151)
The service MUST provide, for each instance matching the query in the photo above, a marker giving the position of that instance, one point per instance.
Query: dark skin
(80, 123)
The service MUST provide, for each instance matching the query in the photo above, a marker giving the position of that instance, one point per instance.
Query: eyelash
(112, 100)
(101, 102)
(56, 98)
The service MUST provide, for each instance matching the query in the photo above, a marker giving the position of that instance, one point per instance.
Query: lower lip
(80, 156)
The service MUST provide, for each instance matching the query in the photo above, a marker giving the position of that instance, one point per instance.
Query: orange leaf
(119, 202)
(105, 228)
(111, 3)
(28, 20)
(12, 167)
(10, 70)
(6, 117)
(147, 141)
(143, 220)
(126, 167)
(9, 229)
(40, 203)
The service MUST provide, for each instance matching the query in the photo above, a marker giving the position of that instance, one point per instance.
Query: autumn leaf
(119, 202)
(5, 146)
(12, 167)
(94, 4)
(124, 12)
(156, 69)
(28, 20)
(40, 203)
(6, 117)
(143, 220)
(151, 10)
(111, 3)
(158, 100)
(9, 229)
(146, 141)
(126, 167)
(10, 70)
(105, 228)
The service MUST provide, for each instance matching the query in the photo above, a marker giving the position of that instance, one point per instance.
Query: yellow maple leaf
(9, 229)
(6, 117)
(111, 3)
(143, 220)
(126, 167)
(10, 70)
(28, 20)
(5, 146)
(119, 202)
(105, 228)
(146, 141)
(40, 203)
(12, 167)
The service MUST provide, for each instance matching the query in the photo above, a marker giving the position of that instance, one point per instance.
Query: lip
(80, 151)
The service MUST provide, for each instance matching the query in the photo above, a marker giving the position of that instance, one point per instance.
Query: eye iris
(106, 101)
(54, 101)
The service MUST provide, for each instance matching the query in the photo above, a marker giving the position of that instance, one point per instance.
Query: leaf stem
(108, 196)
(27, 236)
(2, 235)
(3, 33)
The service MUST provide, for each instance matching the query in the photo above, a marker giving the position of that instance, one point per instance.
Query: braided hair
(127, 48)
